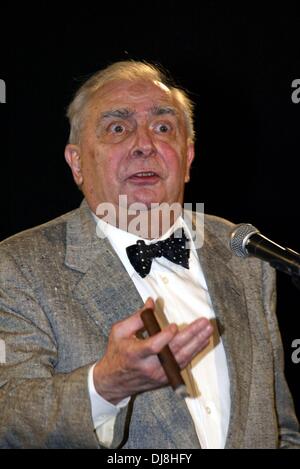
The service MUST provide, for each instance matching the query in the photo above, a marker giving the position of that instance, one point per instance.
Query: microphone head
(239, 237)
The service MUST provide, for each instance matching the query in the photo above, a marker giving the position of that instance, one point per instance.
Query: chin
(145, 199)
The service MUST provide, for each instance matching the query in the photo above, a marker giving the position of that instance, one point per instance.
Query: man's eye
(163, 128)
(117, 128)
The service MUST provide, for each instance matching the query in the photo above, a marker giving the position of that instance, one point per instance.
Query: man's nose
(143, 144)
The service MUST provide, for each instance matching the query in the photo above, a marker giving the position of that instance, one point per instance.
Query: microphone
(246, 240)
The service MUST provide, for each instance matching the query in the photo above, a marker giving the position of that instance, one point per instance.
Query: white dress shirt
(181, 296)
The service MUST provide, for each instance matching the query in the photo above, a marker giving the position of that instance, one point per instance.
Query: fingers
(153, 345)
(184, 344)
(200, 328)
(129, 326)
(191, 340)
(130, 366)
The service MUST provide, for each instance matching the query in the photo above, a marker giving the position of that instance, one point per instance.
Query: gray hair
(125, 70)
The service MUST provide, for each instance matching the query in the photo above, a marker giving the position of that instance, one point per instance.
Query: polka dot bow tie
(174, 249)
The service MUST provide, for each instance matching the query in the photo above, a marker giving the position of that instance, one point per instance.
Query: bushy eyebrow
(124, 113)
(162, 110)
(119, 113)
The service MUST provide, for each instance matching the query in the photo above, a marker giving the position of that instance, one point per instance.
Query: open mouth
(144, 177)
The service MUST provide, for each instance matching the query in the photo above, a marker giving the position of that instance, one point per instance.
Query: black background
(238, 64)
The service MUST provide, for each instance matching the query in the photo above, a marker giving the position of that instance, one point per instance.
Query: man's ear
(73, 158)
(189, 160)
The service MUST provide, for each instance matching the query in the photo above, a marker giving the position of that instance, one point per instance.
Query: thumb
(133, 323)
(149, 304)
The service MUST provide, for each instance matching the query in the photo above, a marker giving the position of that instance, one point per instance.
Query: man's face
(133, 142)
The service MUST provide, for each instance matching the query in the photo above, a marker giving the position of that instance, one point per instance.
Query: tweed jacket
(61, 290)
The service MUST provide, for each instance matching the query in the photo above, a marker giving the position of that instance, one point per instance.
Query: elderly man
(77, 372)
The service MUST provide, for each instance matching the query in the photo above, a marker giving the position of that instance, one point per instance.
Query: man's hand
(130, 365)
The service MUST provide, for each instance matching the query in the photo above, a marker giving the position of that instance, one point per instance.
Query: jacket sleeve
(287, 421)
(39, 407)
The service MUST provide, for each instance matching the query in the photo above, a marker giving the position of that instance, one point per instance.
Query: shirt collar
(120, 239)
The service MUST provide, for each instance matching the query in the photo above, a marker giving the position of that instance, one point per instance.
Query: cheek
(173, 157)
(103, 164)
(111, 166)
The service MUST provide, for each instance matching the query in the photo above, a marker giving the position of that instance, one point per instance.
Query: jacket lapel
(105, 290)
(229, 304)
